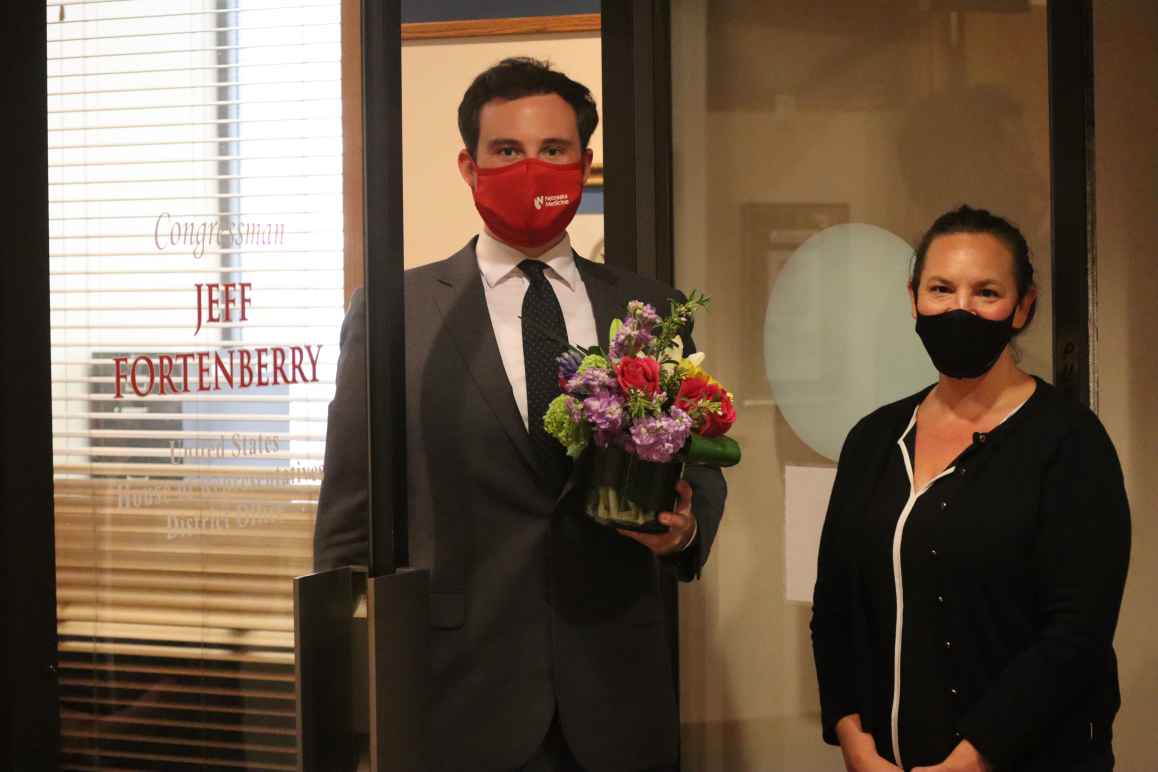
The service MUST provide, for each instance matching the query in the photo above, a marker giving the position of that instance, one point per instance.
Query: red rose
(719, 423)
(639, 373)
(695, 394)
(692, 392)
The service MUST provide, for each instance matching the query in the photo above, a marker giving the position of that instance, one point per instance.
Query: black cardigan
(1035, 548)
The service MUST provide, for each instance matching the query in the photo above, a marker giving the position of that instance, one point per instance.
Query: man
(548, 643)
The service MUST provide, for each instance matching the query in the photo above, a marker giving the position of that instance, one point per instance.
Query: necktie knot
(534, 270)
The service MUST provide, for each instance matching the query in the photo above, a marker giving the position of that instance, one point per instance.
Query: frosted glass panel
(814, 140)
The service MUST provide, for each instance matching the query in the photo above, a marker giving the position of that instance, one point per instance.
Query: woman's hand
(964, 758)
(859, 750)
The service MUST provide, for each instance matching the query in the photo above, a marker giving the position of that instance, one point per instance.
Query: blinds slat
(75, 699)
(213, 177)
(165, 434)
(224, 83)
(120, 648)
(214, 536)
(207, 31)
(231, 66)
(90, 56)
(190, 142)
(176, 124)
(218, 196)
(209, 762)
(91, 629)
(222, 158)
(162, 686)
(187, 470)
(194, 417)
(71, 731)
(198, 672)
(117, 719)
(253, 308)
(103, 452)
(137, 17)
(226, 491)
(202, 583)
(77, 558)
(152, 218)
(257, 623)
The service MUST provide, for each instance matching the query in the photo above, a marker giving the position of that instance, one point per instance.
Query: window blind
(192, 144)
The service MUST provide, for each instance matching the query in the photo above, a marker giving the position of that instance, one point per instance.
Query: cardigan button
(944, 504)
(953, 692)
(948, 645)
(933, 552)
(940, 598)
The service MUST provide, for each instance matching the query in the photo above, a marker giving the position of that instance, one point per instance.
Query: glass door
(813, 144)
(195, 169)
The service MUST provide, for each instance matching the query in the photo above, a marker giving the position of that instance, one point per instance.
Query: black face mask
(964, 345)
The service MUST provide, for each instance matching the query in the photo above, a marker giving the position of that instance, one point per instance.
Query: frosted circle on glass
(838, 333)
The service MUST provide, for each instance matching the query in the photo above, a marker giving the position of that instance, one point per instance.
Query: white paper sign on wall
(806, 492)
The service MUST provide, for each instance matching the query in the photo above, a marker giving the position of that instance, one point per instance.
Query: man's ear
(912, 299)
(588, 161)
(467, 168)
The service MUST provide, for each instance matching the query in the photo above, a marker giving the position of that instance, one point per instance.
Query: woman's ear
(1024, 310)
(912, 298)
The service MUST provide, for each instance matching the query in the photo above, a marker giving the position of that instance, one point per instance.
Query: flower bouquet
(635, 415)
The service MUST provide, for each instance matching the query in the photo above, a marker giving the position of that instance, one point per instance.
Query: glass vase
(627, 492)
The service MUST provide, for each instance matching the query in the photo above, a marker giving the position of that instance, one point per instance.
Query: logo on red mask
(529, 203)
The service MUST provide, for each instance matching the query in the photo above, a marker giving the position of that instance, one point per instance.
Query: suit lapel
(458, 292)
(606, 302)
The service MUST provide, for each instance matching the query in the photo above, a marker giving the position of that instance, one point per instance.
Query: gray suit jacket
(534, 607)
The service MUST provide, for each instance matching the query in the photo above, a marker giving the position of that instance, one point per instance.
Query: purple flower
(658, 439)
(636, 330)
(605, 412)
(592, 381)
(630, 339)
(568, 363)
(575, 410)
(644, 312)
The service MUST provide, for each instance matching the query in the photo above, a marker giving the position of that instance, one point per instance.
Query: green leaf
(711, 451)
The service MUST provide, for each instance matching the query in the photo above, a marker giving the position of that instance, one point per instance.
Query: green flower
(563, 421)
(594, 360)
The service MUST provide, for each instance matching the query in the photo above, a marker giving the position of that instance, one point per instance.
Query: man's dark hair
(966, 219)
(520, 77)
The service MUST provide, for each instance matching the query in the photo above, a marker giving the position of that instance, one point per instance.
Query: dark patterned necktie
(544, 339)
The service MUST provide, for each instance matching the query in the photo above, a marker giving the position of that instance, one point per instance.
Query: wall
(1126, 171)
(439, 214)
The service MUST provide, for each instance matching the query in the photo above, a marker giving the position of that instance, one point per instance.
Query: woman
(975, 548)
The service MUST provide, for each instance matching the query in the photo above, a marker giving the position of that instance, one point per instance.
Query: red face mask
(529, 203)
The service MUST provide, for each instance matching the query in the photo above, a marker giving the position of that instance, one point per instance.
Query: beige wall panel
(1126, 169)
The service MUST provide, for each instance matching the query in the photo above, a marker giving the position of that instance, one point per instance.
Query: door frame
(30, 702)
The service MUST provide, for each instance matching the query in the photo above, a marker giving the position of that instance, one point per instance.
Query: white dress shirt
(504, 286)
